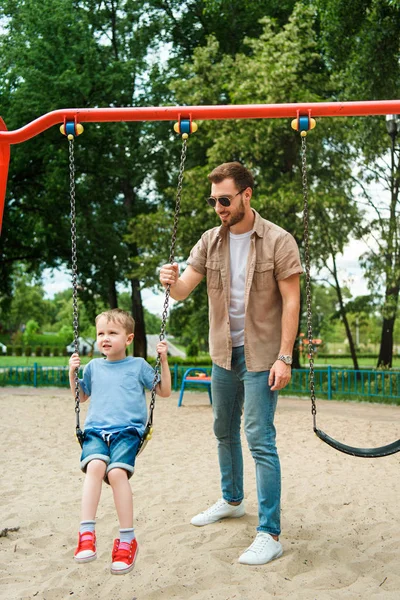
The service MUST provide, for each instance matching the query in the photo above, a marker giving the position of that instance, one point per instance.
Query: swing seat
(360, 452)
(199, 376)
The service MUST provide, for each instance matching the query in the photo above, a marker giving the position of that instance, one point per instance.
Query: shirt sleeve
(86, 382)
(198, 257)
(147, 374)
(287, 258)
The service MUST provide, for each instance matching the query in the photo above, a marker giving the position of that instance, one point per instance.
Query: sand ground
(340, 515)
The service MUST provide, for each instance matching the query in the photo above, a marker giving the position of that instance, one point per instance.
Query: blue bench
(191, 377)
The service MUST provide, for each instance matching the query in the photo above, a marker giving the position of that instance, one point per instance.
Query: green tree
(102, 52)
(32, 327)
(282, 65)
(27, 303)
(361, 47)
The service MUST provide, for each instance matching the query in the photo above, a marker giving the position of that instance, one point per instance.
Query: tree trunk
(392, 269)
(350, 338)
(386, 349)
(112, 294)
(385, 357)
(139, 342)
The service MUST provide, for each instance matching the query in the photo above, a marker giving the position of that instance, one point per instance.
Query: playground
(339, 517)
(152, 145)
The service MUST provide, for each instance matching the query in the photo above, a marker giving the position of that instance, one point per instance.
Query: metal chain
(171, 260)
(308, 276)
(75, 320)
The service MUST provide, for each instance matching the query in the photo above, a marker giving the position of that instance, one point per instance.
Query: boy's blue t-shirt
(117, 393)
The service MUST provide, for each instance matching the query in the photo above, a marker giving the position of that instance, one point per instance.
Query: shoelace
(219, 504)
(123, 552)
(86, 541)
(259, 543)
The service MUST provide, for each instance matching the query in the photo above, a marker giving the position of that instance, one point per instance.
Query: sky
(348, 264)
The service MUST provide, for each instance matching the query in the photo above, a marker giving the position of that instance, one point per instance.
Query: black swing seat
(360, 452)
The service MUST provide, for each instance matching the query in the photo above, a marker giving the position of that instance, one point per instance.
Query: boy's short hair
(119, 316)
(242, 177)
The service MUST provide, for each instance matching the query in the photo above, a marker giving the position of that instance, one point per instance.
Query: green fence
(338, 383)
(329, 382)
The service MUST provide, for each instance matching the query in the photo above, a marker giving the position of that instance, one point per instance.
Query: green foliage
(361, 46)
(32, 327)
(27, 302)
(192, 350)
(188, 321)
(38, 351)
(27, 350)
(66, 334)
(223, 51)
(18, 350)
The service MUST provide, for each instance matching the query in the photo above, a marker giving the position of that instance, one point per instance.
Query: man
(253, 283)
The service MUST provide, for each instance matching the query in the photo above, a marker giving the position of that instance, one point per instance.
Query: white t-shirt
(239, 246)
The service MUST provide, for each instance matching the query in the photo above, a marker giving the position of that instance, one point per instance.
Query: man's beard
(236, 217)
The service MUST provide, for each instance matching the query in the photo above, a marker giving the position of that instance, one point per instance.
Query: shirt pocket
(263, 275)
(213, 275)
(129, 382)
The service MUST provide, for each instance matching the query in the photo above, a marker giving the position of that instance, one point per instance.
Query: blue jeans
(231, 391)
(117, 450)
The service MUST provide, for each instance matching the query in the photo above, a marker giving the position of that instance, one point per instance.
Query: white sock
(87, 526)
(126, 535)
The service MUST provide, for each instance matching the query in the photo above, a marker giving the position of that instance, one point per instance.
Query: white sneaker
(220, 510)
(263, 550)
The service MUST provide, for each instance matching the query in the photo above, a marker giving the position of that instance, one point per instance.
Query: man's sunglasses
(223, 200)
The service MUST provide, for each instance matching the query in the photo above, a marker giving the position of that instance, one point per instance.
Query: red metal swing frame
(176, 113)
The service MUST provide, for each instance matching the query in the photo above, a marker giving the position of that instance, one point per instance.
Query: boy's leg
(86, 548)
(95, 472)
(123, 450)
(122, 493)
(94, 460)
(125, 547)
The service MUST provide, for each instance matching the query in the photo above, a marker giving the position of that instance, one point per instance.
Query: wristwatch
(286, 358)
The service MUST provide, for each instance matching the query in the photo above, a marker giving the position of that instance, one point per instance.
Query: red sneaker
(123, 557)
(86, 548)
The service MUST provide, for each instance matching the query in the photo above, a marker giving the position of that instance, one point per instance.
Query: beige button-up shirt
(273, 256)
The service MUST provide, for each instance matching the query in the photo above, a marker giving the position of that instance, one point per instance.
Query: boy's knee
(117, 474)
(96, 467)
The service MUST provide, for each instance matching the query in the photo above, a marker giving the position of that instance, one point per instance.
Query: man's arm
(289, 288)
(181, 286)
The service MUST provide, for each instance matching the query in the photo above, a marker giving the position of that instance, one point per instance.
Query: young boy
(114, 425)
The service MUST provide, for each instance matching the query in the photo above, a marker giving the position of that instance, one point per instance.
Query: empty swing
(72, 129)
(303, 124)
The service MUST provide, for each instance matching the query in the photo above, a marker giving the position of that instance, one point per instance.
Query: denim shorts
(117, 450)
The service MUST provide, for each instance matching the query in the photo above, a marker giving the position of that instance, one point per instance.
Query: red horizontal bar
(167, 113)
